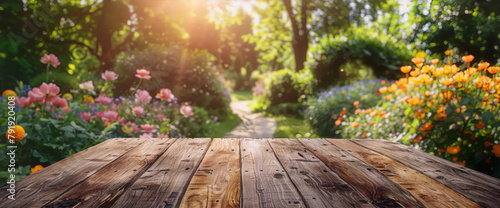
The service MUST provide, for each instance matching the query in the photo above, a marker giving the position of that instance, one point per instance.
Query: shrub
(329, 105)
(282, 91)
(452, 111)
(382, 53)
(190, 75)
(49, 127)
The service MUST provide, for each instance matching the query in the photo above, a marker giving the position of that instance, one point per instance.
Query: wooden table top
(254, 173)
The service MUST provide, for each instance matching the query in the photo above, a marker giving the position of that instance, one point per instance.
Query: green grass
(292, 127)
(225, 126)
(241, 95)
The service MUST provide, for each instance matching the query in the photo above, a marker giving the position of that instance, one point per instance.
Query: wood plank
(107, 184)
(264, 181)
(375, 186)
(478, 187)
(319, 185)
(217, 181)
(428, 191)
(165, 182)
(45, 185)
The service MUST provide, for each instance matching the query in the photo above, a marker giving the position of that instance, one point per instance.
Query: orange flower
(447, 94)
(453, 149)
(405, 69)
(372, 123)
(364, 135)
(480, 125)
(383, 113)
(36, 169)
(415, 101)
(414, 73)
(471, 71)
(496, 150)
(442, 150)
(460, 163)
(343, 112)
(483, 65)
(356, 103)
(383, 82)
(438, 72)
(8, 92)
(16, 133)
(427, 68)
(426, 127)
(388, 97)
(461, 77)
(468, 58)
(392, 88)
(417, 60)
(357, 111)
(448, 52)
(355, 124)
(373, 114)
(338, 122)
(383, 90)
(447, 81)
(487, 143)
(435, 61)
(493, 69)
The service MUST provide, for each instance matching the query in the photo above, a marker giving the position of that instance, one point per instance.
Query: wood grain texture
(428, 191)
(107, 184)
(478, 187)
(375, 186)
(217, 181)
(165, 182)
(264, 181)
(318, 184)
(43, 186)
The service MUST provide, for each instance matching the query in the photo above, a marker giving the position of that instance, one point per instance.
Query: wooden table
(254, 173)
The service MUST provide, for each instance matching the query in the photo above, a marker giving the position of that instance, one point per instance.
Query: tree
(470, 26)
(300, 37)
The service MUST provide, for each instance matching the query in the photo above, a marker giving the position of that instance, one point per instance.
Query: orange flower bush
(452, 110)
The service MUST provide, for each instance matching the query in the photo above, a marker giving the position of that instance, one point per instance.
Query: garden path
(253, 125)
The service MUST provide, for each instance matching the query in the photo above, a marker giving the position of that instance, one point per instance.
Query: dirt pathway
(253, 125)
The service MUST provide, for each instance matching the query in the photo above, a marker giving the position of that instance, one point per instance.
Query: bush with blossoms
(451, 110)
(52, 125)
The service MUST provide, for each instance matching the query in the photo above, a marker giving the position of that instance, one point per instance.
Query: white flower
(87, 86)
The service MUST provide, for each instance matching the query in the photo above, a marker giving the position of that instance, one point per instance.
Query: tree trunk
(300, 33)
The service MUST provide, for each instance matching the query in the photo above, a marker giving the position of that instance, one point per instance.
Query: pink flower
(162, 135)
(146, 135)
(61, 116)
(109, 75)
(138, 111)
(165, 94)
(86, 116)
(103, 99)
(24, 101)
(87, 86)
(52, 59)
(258, 89)
(108, 115)
(38, 94)
(147, 128)
(142, 97)
(130, 128)
(186, 110)
(50, 89)
(142, 74)
(59, 102)
(160, 116)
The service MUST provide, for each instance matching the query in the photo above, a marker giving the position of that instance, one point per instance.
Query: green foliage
(292, 127)
(283, 91)
(376, 51)
(325, 108)
(188, 73)
(468, 25)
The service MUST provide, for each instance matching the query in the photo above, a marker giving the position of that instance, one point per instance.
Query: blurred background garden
(419, 72)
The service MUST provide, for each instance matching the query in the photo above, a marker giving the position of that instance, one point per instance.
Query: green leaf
(110, 127)
(77, 127)
(487, 116)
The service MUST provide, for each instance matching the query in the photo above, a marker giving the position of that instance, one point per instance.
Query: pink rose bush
(109, 75)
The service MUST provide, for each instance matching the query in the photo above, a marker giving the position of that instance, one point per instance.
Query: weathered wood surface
(478, 187)
(428, 191)
(217, 181)
(265, 182)
(254, 173)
